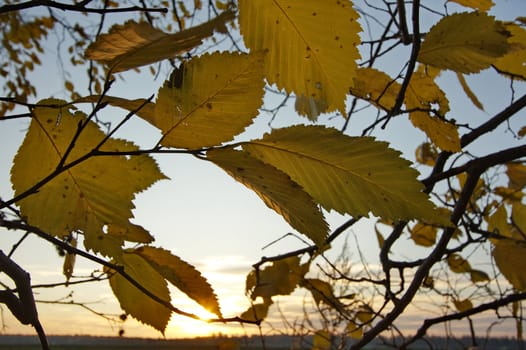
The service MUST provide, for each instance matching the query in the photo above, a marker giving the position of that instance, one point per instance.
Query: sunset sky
(201, 214)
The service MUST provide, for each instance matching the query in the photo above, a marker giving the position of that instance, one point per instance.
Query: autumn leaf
(310, 107)
(321, 340)
(463, 305)
(517, 175)
(132, 300)
(133, 44)
(87, 196)
(469, 93)
(257, 312)
(279, 278)
(182, 275)
(423, 235)
(276, 189)
(465, 42)
(509, 258)
(210, 99)
(512, 63)
(354, 175)
(376, 87)
(140, 106)
(301, 58)
(458, 264)
(354, 330)
(422, 95)
(482, 5)
(130, 232)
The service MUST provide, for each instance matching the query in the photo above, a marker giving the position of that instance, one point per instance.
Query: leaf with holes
(87, 196)
(303, 59)
(210, 99)
(465, 42)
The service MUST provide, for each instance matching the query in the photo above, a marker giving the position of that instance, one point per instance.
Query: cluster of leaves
(301, 172)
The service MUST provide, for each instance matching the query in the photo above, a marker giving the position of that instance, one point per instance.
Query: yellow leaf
(94, 193)
(424, 235)
(69, 261)
(130, 233)
(423, 94)
(517, 175)
(478, 276)
(279, 278)
(142, 108)
(354, 331)
(514, 62)
(509, 194)
(458, 264)
(426, 154)
(465, 42)
(482, 5)
(322, 293)
(310, 107)
(321, 340)
(509, 257)
(133, 44)
(276, 189)
(443, 134)
(354, 175)
(463, 305)
(498, 223)
(133, 301)
(471, 95)
(210, 99)
(375, 86)
(257, 312)
(182, 275)
(302, 58)
(518, 217)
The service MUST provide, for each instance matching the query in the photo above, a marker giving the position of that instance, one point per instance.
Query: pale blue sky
(203, 215)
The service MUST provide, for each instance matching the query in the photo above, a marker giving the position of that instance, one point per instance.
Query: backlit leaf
(69, 260)
(132, 300)
(463, 305)
(517, 175)
(257, 311)
(509, 257)
(458, 264)
(375, 86)
(424, 94)
(482, 5)
(465, 42)
(514, 62)
(443, 134)
(478, 276)
(471, 95)
(426, 154)
(518, 217)
(280, 278)
(354, 331)
(322, 292)
(276, 189)
(354, 175)
(210, 99)
(424, 235)
(321, 340)
(182, 275)
(140, 106)
(310, 107)
(133, 44)
(302, 58)
(88, 196)
(130, 233)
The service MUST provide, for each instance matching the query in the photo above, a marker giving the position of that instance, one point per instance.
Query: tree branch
(80, 7)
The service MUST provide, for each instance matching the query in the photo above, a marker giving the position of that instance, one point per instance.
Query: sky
(202, 215)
